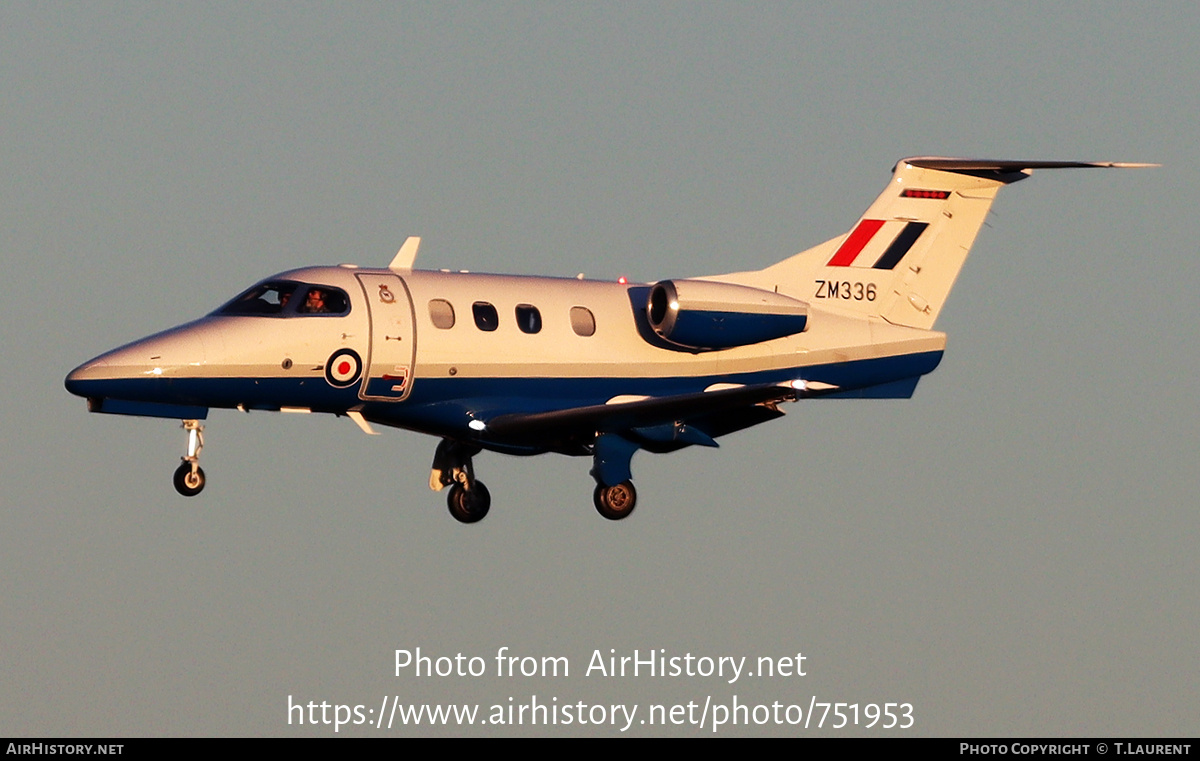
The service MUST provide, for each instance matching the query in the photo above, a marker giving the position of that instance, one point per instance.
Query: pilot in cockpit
(314, 302)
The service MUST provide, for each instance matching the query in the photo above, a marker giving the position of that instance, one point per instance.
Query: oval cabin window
(529, 319)
(442, 314)
(485, 316)
(582, 321)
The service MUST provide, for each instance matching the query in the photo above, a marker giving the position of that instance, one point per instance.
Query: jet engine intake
(703, 315)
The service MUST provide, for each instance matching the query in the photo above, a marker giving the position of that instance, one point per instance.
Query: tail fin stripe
(904, 241)
(856, 242)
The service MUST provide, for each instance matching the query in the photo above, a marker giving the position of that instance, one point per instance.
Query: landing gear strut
(189, 476)
(615, 496)
(468, 499)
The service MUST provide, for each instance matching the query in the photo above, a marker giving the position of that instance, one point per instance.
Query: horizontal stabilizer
(1002, 169)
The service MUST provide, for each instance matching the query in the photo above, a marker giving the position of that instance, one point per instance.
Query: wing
(669, 422)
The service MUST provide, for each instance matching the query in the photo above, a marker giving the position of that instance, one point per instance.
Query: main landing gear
(468, 500)
(189, 476)
(615, 496)
(469, 506)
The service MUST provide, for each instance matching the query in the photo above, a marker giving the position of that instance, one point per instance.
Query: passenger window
(529, 319)
(442, 314)
(486, 318)
(582, 321)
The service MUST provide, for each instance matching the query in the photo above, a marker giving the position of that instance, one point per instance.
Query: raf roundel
(343, 368)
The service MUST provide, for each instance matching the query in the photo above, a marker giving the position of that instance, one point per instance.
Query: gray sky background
(1012, 551)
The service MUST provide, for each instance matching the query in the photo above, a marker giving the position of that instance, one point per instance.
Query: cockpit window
(323, 300)
(264, 298)
(283, 298)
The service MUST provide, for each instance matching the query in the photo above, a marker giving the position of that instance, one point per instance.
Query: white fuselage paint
(261, 347)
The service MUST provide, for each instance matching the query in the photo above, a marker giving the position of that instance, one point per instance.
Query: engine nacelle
(702, 315)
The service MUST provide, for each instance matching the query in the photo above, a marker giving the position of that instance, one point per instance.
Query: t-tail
(900, 259)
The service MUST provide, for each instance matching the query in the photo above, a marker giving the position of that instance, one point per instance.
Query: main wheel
(469, 506)
(187, 483)
(615, 502)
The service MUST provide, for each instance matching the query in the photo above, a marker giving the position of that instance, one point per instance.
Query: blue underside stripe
(440, 404)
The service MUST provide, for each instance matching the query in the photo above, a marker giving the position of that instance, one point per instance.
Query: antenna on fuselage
(406, 255)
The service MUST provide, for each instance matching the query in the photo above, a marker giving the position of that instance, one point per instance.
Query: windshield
(286, 298)
(264, 298)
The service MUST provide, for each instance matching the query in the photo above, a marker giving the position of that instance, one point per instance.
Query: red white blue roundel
(343, 368)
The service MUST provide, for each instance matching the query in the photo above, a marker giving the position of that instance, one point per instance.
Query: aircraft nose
(77, 379)
(162, 354)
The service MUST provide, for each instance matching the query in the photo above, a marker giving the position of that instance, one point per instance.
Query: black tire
(615, 502)
(469, 506)
(187, 484)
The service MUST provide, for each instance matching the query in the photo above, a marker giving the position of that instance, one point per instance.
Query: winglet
(406, 255)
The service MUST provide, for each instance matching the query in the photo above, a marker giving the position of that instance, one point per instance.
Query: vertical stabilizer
(901, 258)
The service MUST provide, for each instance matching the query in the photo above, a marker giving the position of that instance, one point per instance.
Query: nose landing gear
(189, 476)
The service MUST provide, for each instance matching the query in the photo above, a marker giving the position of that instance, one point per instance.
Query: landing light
(477, 425)
(799, 384)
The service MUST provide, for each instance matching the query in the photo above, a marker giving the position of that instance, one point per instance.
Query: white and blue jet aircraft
(529, 365)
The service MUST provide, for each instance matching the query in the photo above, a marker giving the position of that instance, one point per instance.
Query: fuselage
(435, 351)
(525, 365)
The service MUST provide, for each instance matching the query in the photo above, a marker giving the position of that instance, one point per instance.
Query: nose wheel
(189, 476)
(189, 482)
